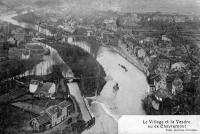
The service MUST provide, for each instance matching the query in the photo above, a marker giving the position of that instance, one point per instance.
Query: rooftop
(64, 104)
(163, 93)
(44, 87)
(44, 103)
(43, 119)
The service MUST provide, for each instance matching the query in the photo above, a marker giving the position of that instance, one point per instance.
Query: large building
(110, 24)
(53, 116)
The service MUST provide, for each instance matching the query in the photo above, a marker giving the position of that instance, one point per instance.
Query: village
(41, 84)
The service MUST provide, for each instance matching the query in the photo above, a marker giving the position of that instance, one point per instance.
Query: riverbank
(133, 60)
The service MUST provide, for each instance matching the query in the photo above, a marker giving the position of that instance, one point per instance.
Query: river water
(109, 105)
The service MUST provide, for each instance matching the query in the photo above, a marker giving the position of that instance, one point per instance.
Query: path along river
(110, 105)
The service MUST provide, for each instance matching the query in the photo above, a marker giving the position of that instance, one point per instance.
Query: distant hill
(39, 3)
(80, 6)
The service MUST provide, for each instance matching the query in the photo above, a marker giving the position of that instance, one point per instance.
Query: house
(152, 87)
(110, 24)
(159, 96)
(177, 86)
(155, 104)
(68, 25)
(165, 38)
(160, 84)
(33, 86)
(156, 82)
(11, 41)
(141, 53)
(147, 61)
(163, 65)
(52, 116)
(148, 40)
(41, 122)
(89, 33)
(45, 90)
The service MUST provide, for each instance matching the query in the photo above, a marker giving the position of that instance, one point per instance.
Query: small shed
(33, 86)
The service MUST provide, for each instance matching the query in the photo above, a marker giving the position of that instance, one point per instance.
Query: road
(75, 91)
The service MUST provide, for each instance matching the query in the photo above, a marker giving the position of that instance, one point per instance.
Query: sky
(180, 6)
(151, 5)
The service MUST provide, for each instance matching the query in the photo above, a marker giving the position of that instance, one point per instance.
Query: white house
(165, 38)
(34, 84)
(160, 83)
(89, 33)
(141, 53)
(11, 40)
(155, 105)
(45, 90)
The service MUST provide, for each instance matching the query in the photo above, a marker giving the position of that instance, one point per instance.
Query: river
(110, 105)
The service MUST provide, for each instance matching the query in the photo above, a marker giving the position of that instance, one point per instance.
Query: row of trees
(11, 68)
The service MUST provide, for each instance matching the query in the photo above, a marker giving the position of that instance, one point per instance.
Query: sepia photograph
(79, 66)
